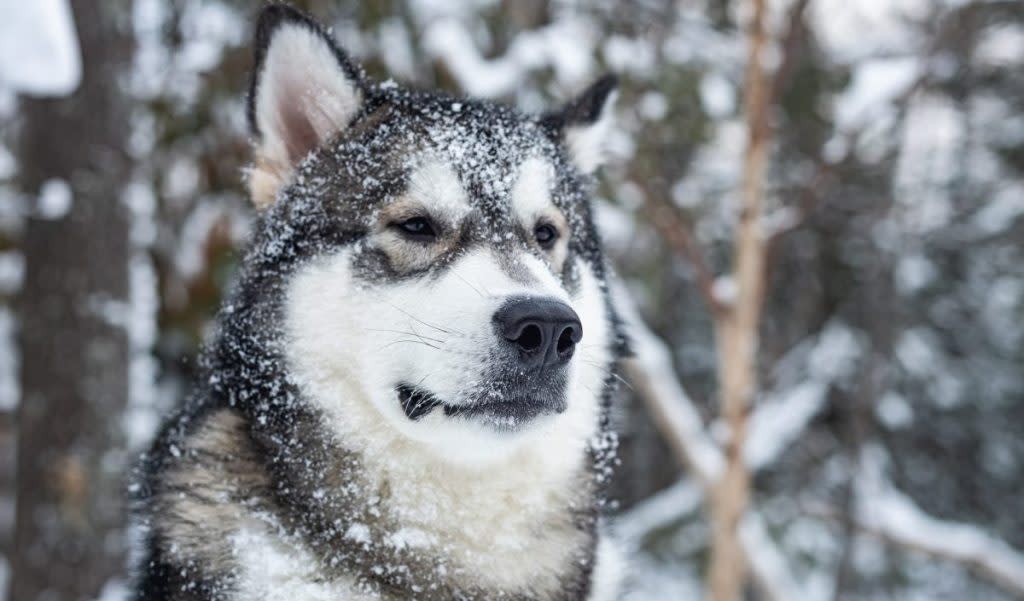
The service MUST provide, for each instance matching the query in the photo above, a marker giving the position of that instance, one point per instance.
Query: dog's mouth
(506, 412)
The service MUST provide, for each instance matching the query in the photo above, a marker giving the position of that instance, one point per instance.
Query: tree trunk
(737, 335)
(68, 539)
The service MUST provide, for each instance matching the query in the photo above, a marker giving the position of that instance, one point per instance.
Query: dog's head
(451, 288)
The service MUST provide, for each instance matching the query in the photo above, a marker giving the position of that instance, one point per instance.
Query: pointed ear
(584, 123)
(303, 92)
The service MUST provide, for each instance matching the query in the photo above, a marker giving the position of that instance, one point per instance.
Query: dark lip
(416, 402)
(506, 413)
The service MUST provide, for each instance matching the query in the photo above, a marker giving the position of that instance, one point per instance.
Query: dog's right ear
(303, 92)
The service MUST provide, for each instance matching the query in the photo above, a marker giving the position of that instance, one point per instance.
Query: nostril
(531, 338)
(566, 341)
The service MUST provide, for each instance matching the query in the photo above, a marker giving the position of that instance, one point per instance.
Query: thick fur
(297, 469)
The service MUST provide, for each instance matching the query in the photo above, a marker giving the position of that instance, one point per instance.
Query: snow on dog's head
(448, 289)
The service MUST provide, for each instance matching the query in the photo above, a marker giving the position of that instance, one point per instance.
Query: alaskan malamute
(407, 394)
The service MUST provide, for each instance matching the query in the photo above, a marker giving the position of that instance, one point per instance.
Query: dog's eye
(417, 228)
(546, 235)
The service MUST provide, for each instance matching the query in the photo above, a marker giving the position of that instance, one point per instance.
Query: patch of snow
(566, 45)
(852, 30)
(1002, 210)
(10, 385)
(653, 580)
(769, 567)
(916, 351)
(658, 511)
(717, 95)
(39, 52)
(5, 577)
(616, 225)
(630, 55)
(876, 83)
(779, 419)
(396, 48)
(55, 199)
(894, 516)
(1000, 46)
(115, 589)
(894, 411)
(835, 353)
(725, 289)
(8, 164)
(653, 106)
(782, 416)
(12, 272)
(139, 319)
(914, 272)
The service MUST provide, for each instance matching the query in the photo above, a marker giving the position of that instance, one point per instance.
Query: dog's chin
(501, 412)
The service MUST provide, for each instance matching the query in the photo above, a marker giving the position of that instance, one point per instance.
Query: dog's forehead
(494, 162)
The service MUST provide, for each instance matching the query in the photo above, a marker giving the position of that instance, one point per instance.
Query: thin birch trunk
(737, 337)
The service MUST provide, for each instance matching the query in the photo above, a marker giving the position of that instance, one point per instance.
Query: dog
(407, 394)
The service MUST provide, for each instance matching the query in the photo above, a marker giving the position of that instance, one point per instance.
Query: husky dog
(407, 394)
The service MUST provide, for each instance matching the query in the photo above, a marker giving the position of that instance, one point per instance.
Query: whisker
(403, 332)
(429, 325)
(413, 342)
(468, 283)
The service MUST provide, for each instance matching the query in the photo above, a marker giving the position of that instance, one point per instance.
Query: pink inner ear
(299, 134)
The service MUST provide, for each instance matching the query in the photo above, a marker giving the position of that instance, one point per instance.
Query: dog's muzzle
(537, 338)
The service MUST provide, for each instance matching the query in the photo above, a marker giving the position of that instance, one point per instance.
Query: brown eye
(418, 229)
(546, 235)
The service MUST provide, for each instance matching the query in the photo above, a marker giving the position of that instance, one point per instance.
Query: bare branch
(675, 230)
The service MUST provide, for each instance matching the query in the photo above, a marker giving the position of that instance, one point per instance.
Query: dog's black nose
(543, 331)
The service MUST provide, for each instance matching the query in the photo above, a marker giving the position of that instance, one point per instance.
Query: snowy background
(884, 443)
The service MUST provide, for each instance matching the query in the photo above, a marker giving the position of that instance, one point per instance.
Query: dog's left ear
(584, 123)
(303, 92)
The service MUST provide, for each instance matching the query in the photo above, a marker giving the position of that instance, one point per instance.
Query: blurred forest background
(866, 185)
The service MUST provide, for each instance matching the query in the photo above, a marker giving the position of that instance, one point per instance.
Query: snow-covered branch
(658, 511)
(655, 381)
(768, 566)
(566, 46)
(882, 511)
(892, 516)
(782, 415)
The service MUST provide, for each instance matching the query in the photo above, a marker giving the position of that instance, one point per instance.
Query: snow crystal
(39, 47)
(54, 199)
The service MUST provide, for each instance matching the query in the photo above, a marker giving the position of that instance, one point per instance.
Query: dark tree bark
(68, 537)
